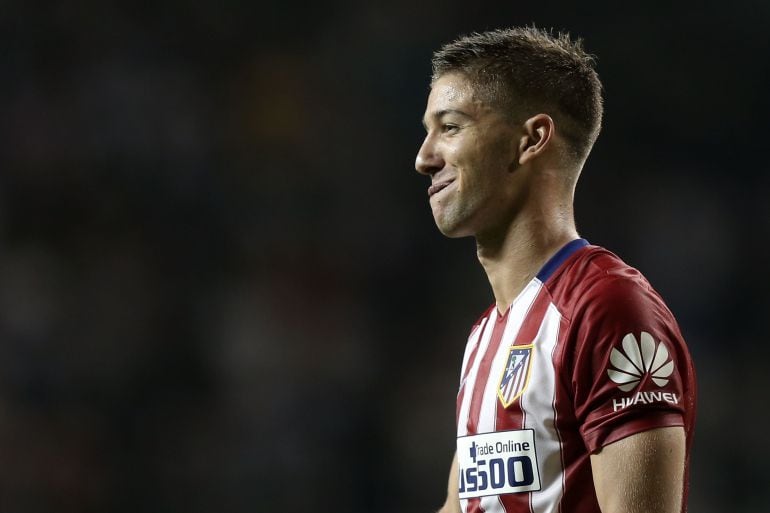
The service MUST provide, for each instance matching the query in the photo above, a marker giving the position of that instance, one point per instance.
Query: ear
(538, 132)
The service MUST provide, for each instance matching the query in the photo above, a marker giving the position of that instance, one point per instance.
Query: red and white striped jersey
(586, 355)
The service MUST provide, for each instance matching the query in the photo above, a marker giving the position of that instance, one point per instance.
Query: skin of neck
(513, 255)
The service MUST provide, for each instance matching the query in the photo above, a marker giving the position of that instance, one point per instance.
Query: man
(577, 392)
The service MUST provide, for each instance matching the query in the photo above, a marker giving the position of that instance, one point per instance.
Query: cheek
(502, 151)
(480, 163)
(467, 160)
(454, 155)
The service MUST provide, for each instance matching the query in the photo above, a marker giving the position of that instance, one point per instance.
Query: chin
(453, 220)
(453, 231)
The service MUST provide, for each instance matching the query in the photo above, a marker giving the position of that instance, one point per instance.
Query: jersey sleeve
(631, 371)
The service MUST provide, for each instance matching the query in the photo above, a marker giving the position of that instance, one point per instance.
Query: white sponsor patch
(497, 463)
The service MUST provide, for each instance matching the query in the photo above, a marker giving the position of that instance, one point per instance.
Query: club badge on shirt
(516, 373)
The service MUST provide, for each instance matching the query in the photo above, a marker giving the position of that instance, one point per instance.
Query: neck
(513, 258)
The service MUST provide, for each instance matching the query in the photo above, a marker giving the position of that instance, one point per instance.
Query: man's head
(511, 117)
(524, 71)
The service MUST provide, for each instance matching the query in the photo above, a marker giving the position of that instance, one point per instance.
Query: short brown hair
(527, 70)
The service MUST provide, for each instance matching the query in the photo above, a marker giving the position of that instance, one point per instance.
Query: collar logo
(639, 358)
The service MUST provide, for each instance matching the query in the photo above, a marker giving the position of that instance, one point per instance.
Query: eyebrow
(443, 112)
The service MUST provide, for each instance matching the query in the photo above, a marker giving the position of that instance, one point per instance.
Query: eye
(449, 128)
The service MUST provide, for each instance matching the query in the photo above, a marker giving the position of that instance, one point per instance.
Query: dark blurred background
(221, 289)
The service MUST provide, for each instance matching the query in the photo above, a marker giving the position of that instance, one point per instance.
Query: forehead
(452, 91)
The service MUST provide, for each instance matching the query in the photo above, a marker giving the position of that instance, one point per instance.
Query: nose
(429, 160)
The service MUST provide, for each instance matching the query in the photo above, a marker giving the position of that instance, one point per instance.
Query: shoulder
(594, 266)
(604, 300)
(596, 280)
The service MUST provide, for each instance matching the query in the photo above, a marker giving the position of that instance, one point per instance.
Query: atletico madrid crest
(515, 374)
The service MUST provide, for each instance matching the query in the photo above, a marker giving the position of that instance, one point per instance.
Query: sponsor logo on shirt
(638, 359)
(497, 463)
(644, 398)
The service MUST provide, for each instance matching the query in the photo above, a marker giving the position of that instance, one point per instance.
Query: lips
(436, 187)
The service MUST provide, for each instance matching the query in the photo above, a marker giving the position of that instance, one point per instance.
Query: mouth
(437, 187)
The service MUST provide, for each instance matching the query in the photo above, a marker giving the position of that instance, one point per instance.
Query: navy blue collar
(563, 254)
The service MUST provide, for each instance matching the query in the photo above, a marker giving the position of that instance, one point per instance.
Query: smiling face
(470, 153)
